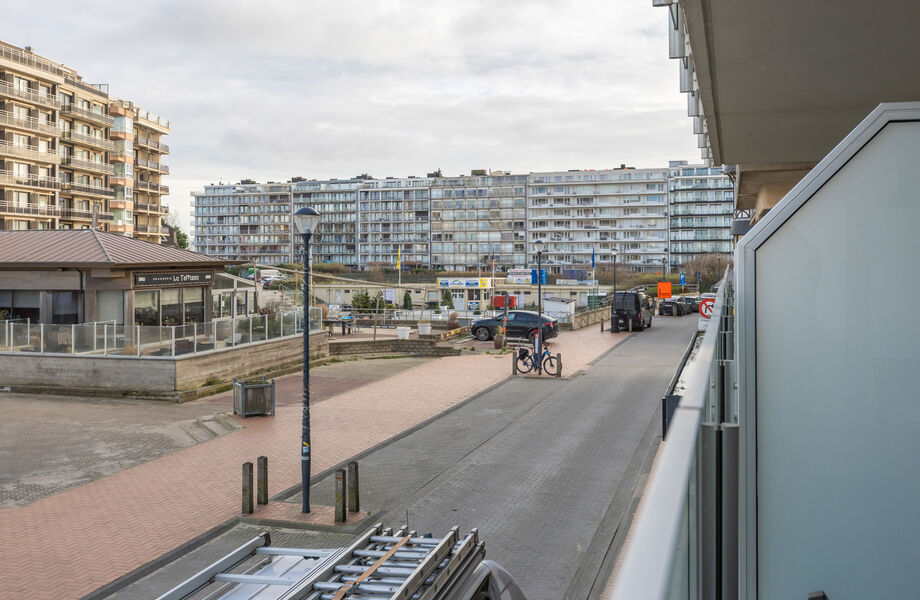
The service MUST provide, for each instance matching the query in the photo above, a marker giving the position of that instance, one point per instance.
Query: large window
(194, 304)
(26, 305)
(171, 308)
(110, 306)
(147, 308)
(65, 307)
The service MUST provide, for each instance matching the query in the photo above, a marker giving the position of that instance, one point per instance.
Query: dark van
(632, 307)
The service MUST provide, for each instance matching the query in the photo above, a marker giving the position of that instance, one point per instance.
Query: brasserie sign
(173, 278)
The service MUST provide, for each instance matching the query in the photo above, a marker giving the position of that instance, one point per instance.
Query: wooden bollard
(262, 480)
(340, 496)
(602, 326)
(558, 365)
(247, 488)
(514, 362)
(354, 503)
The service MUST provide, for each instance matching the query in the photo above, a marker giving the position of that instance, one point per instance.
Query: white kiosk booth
(828, 360)
(468, 293)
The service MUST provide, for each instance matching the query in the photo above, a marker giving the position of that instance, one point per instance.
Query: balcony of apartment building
(151, 144)
(98, 118)
(28, 123)
(144, 118)
(151, 165)
(8, 90)
(31, 62)
(87, 189)
(83, 215)
(87, 165)
(34, 153)
(156, 188)
(28, 180)
(87, 140)
(28, 209)
(97, 89)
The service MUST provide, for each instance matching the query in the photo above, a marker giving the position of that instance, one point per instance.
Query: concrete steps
(202, 429)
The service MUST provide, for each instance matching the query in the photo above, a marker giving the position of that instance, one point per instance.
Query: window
(147, 308)
(110, 306)
(26, 305)
(194, 305)
(65, 307)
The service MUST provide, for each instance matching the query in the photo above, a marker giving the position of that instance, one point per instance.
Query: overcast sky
(271, 89)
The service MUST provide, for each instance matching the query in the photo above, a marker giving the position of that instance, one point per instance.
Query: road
(546, 469)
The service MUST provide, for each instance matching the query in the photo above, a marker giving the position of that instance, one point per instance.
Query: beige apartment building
(70, 155)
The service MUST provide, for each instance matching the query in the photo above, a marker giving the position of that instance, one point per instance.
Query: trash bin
(424, 328)
(402, 333)
(254, 398)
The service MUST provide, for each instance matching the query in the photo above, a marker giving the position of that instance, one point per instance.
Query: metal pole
(614, 276)
(305, 424)
(194, 338)
(539, 312)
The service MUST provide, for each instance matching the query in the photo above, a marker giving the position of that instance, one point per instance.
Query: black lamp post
(305, 221)
(538, 246)
(614, 275)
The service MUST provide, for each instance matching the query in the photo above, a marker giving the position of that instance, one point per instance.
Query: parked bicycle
(526, 363)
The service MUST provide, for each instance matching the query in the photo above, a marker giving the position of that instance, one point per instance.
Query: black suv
(635, 307)
(521, 324)
(670, 306)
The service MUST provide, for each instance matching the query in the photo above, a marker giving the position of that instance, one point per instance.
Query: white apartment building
(701, 201)
(336, 238)
(614, 212)
(394, 220)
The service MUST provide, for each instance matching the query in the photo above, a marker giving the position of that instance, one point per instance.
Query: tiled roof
(90, 248)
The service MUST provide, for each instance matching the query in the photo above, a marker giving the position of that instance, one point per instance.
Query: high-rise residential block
(701, 201)
(70, 155)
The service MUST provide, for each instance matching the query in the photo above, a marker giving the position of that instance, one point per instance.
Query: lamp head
(538, 245)
(306, 219)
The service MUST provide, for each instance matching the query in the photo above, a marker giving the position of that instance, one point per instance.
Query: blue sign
(533, 276)
(683, 279)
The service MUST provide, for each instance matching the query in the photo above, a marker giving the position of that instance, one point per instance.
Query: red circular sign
(706, 306)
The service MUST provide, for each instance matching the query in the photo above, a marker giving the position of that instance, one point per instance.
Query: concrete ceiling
(783, 81)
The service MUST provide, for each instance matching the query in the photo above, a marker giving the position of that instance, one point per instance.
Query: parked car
(267, 281)
(686, 305)
(669, 306)
(521, 324)
(694, 303)
(632, 306)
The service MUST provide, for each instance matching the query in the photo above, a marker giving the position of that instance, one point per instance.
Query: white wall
(838, 411)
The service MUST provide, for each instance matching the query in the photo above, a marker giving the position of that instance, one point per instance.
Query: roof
(46, 248)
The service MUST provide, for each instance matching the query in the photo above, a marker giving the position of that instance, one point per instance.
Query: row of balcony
(147, 228)
(147, 142)
(98, 142)
(80, 188)
(28, 123)
(10, 178)
(30, 60)
(153, 187)
(151, 164)
(88, 165)
(154, 208)
(29, 152)
(7, 90)
(50, 210)
(90, 115)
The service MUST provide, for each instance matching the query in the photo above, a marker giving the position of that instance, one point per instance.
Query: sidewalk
(69, 544)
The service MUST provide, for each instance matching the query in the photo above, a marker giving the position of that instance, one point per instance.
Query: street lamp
(305, 221)
(538, 246)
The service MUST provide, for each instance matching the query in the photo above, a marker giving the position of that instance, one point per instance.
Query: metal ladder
(379, 565)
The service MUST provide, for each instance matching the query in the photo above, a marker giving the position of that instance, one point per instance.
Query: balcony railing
(28, 209)
(88, 165)
(28, 123)
(153, 187)
(88, 114)
(80, 188)
(152, 165)
(94, 88)
(10, 178)
(29, 152)
(692, 494)
(90, 140)
(30, 60)
(8, 90)
(142, 141)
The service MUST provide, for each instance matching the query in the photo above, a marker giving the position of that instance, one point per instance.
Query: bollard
(558, 365)
(614, 325)
(354, 503)
(602, 326)
(247, 488)
(262, 480)
(514, 362)
(340, 496)
(630, 325)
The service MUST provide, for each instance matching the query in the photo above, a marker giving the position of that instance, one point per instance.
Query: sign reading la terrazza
(173, 278)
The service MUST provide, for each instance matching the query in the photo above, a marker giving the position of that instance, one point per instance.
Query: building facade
(71, 155)
(701, 203)
(471, 223)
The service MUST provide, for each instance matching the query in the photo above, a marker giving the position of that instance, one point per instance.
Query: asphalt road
(546, 469)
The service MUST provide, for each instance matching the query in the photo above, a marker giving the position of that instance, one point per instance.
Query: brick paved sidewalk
(69, 544)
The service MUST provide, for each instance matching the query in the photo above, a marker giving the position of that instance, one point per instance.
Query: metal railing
(91, 115)
(91, 140)
(88, 165)
(29, 152)
(29, 123)
(9, 177)
(29, 208)
(30, 60)
(153, 187)
(107, 338)
(94, 88)
(87, 189)
(685, 542)
(7, 89)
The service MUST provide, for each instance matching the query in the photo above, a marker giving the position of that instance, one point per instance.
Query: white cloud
(277, 88)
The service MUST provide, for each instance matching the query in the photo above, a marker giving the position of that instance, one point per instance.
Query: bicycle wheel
(550, 365)
(525, 364)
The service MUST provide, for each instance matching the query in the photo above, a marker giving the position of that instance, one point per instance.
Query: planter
(402, 333)
(498, 340)
(424, 328)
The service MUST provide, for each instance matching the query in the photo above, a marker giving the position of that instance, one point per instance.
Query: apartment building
(701, 201)
(477, 220)
(614, 212)
(68, 154)
(464, 223)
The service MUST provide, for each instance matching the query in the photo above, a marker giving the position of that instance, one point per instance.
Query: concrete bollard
(354, 502)
(558, 365)
(247, 488)
(262, 480)
(340, 496)
(630, 325)
(514, 370)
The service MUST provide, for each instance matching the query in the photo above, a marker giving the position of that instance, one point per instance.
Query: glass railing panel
(241, 327)
(223, 333)
(26, 337)
(155, 341)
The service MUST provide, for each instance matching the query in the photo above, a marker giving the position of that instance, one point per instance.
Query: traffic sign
(683, 279)
(706, 306)
(699, 277)
(664, 289)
